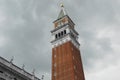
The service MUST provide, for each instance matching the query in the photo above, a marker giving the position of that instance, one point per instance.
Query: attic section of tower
(63, 19)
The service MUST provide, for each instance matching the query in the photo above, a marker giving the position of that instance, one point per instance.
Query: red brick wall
(65, 63)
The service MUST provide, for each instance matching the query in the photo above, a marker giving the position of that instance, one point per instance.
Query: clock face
(60, 24)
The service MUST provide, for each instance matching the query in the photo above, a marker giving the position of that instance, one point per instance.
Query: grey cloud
(28, 24)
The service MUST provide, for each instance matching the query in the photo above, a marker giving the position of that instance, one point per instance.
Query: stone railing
(15, 68)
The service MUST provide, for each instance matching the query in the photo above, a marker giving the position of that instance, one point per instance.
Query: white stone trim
(64, 40)
(58, 31)
(73, 33)
(67, 30)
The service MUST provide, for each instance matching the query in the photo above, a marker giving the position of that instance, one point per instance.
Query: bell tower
(66, 57)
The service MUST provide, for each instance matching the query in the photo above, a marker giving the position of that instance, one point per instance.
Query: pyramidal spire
(62, 12)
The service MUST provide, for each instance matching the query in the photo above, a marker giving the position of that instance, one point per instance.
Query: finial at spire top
(33, 72)
(11, 60)
(61, 5)
(62, 12)
(23, 66)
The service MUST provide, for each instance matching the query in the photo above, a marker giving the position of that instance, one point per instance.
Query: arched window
(64, 31)
(59, 34)
(56, 36)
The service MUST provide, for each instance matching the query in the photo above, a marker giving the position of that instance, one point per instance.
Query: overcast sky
(25, 27)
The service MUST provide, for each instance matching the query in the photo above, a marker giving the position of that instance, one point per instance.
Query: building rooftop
(12, 67)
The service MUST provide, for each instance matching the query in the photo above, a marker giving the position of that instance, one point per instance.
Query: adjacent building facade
(9, 71)
(66, 57)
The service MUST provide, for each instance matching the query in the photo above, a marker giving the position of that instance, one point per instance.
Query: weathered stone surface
(9, 71)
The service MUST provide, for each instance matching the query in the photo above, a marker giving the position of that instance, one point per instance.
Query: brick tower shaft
(66, 57)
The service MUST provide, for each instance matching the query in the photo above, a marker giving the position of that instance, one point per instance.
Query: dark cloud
(25, 27)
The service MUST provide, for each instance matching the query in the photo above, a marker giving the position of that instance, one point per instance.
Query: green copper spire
(62, 12)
